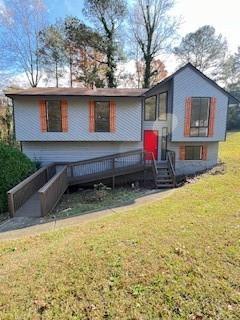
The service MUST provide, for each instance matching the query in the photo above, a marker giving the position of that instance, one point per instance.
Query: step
(159, 181)
(160, 186)
(164, 177)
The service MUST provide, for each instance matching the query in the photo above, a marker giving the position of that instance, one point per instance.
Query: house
(175, 126)
(185, 113)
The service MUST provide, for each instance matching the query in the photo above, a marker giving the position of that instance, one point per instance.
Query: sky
(224, 16)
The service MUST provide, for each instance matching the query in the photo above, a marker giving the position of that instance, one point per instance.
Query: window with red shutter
(43, 115)
(212, 116)
(64, 113)
(188, 109)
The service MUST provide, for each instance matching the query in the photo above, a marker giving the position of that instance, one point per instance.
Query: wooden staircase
(164, 179)
(164, 172)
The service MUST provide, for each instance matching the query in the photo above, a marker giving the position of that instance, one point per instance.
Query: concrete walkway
(20, 227)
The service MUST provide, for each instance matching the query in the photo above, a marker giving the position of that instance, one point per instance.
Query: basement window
(193, 153)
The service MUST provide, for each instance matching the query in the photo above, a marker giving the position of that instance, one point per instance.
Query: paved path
(20, 227)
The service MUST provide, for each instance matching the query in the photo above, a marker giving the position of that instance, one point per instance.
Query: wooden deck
(37, 195)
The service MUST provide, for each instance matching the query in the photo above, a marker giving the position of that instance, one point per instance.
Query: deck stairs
(164, 178)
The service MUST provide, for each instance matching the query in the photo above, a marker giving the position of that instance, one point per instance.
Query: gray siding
(192, 166)
(189, 83)
(47, 152)
(128, 121)
(158, 125)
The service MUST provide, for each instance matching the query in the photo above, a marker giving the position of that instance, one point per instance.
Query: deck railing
(51, 185)
(171, 160)
(51, 192)
(109, 165)
(18, 195)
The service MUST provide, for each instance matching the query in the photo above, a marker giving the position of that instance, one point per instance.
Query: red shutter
(43, 115)
(112, 116)
(64, 112)
(182, 152)
(204, 152)
(212, 116)
(91, 107)
(188, 110)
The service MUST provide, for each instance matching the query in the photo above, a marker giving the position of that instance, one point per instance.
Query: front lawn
(178, 258)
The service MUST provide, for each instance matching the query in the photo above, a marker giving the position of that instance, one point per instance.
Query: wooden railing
(153, 164)
(171, 160)
(108, 164)
(51, 185)
(18, 195)
(51, 192)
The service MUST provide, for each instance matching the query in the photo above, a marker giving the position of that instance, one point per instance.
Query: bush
(14, 167)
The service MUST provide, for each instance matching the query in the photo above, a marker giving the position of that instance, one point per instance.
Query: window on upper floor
(102, 116)
(150, 107)
(163, 100)
(54, 116)
(199, 117)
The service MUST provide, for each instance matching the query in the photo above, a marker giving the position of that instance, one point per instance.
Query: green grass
(178, 258)
(78, 203)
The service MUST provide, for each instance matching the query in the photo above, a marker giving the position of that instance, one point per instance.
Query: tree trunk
(111, 63)
(71, 71)
(147, 72)
(56, 73)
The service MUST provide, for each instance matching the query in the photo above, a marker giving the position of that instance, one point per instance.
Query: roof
(236, 95)
(106, 92)
(189, 65)
(112, 92)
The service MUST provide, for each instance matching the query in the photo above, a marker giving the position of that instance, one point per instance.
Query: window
(54, 116)
(200, 117)
(164, 143)
(193, 153)
(150, 109)
(163, 97)
(102, 116)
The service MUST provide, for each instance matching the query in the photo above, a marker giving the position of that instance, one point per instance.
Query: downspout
(13, 117)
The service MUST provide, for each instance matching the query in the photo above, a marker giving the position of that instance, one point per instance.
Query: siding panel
(47, 152)
(128, 121)
(188, 83)
(192, 166)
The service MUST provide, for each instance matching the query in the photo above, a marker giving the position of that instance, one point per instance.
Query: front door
(151, 143)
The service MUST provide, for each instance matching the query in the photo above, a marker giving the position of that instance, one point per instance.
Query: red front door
(151, 143)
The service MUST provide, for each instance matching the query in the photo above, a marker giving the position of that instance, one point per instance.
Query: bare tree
(21, 23)
(153, 30)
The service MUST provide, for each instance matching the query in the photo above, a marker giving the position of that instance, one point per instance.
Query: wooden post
(11, 204)
(113, 171)
(144, 169)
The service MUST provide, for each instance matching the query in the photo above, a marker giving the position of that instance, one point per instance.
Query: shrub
(14, 167)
